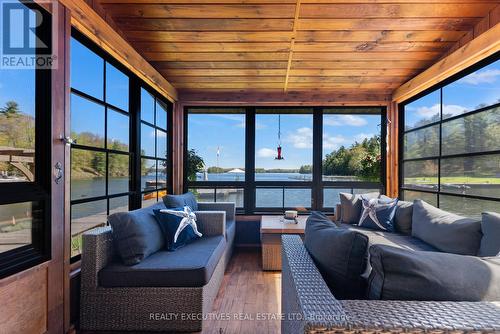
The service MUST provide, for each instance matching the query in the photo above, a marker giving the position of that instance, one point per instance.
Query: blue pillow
(378, 214)
(183, 220)
(177, 201)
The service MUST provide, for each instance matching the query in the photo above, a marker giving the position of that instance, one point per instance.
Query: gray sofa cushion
(177, 201)
(136, 234)
(490, 242)
(339, 254)
(351, 206)
(399, 274)
(446, 231)
(402, 219)
(189, 266)
(391, 239)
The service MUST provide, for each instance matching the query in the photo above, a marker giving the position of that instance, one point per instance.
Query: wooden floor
(249, 297)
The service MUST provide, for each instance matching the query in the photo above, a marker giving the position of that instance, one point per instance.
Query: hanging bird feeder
(279, 156)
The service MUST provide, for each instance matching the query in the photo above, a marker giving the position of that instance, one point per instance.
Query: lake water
(270, 197)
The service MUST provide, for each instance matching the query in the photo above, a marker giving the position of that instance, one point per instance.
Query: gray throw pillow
(402, 220)
(340, 255)
(490, 226)
(351, 205)
(446, 231)
(180, 201)
(399, 274)
(136, 234)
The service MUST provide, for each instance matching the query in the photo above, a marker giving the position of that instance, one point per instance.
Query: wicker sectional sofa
(402, 289)
(112, 297)
(309, 307)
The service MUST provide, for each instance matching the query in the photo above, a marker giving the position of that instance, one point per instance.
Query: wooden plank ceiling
(373, 45)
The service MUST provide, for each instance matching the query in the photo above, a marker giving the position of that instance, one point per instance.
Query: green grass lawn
(454, 180)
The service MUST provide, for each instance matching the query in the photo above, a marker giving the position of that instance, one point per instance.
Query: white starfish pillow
(370, 209)
(188, 219)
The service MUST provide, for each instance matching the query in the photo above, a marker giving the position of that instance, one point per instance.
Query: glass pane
(148, 174)
(88, 174)
(299, 199)
(118, 173)
(161, 115)
(468, 207)
(118, 204)
(147, 140)
(87, 122)
(422, 143)
(423, 111)
(473, 133)
(149, 199)
(16, 223)
(427, 197)
(87, 70)
(162, 174)
(84, 217)
(331, 196)
(421, 174)
(118, 131)
(116, 87)
(17, 125)
(351, 147)
(269, 197)
(147, 107)
(216, 146)
(474, 91)
(230, 195)
(475, 175)
(203, 195)
(161, 144)
(291, 132)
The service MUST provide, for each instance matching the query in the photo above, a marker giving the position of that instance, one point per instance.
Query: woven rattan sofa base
(308, 306)
(139, 309)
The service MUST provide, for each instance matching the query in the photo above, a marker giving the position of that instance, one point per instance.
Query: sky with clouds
(209, 132)
(466, 94)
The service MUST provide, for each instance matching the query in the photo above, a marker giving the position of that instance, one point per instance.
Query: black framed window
(120, 149)
(270, 159)
(154, 127)
(451, 142)
(25, 139)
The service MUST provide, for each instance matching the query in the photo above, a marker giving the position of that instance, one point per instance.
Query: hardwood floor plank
(248, 293)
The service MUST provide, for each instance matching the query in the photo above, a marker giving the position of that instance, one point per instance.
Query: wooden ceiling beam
(292, 43)
(476, 50)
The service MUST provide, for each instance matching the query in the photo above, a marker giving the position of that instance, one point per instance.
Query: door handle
(58, 172)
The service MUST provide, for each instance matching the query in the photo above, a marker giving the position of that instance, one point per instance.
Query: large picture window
(271, 159)
(451, 144)
(25, 172)
(120, 150)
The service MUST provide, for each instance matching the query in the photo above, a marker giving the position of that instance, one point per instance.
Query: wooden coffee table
(271, 229)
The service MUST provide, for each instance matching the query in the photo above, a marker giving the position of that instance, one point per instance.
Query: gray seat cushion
(178, 201)
(350, 206)
(446, 231)
(391, 239)
(490, 242)
(136, 234)
(230, 231)
(189, 266)
(339, 254)
(399, 274)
